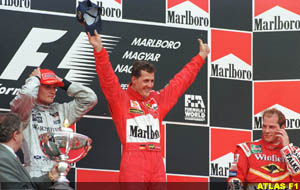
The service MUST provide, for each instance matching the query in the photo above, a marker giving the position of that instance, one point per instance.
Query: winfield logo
(222, 153)
(188, 13)
(272, 158)
(15, 4)
(233, 60)
(273, 15)
(292, 118)
(194, 108)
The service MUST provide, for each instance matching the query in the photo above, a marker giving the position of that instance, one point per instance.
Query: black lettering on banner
(230, 72)
(257, 122)
(292, 123)
(146, 134)
(276, 24)
(292, 163)
(188, 19)
(16, 3)
(109, 11)
(219, 170)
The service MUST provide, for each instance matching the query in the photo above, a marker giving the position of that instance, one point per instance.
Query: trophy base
(63, 186)
(63, 179)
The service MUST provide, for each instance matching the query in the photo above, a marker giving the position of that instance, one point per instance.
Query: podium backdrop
(253, 65)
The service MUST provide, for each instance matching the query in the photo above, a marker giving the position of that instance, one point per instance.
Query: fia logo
(194, 101)
(194, 108)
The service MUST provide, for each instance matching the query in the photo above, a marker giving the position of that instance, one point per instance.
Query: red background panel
(85, 175)
(227, 42)
(203, 4)
(264, 5)
(224, 141)
(267, 94)
(73, 126)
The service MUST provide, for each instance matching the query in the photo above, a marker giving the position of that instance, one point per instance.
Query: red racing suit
(138, 120)
(260, 161)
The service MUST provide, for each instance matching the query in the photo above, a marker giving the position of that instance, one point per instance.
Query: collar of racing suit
(135, 94)
(271, 146)
(42, 107)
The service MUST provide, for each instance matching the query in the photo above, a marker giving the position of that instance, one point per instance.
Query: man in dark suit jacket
(12, 173)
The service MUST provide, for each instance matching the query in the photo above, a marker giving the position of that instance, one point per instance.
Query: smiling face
(46, 94)
(270, 127)
(144, 83)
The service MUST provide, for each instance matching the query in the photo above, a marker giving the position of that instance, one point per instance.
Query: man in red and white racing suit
(271, 159)
(138, 112)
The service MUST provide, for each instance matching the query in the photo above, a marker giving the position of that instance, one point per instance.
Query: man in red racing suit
(138, 112)
(271, 159)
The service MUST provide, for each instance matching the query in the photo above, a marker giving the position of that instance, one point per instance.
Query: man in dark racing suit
(138, 111)
(271, 159)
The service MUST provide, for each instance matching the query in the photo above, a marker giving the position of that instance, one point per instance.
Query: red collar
(135, 94)
(271, 146)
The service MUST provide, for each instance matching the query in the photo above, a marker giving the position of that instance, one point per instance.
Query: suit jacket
(14, 176)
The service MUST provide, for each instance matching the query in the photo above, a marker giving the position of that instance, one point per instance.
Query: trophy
(64, 146)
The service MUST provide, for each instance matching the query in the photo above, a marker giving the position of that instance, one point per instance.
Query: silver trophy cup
(65, 147)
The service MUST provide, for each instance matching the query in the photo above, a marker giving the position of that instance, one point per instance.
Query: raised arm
(203, 49)
(84, 100)
(108, 80)
(182, 80)
(23, 103)
(95, 41)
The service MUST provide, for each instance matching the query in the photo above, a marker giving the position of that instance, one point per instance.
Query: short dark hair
(9, 123)
(141, 65)
(270, 112)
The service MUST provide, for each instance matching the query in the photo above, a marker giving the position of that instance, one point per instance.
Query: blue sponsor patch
(232, 173)
(37, 157)
(37, 118)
